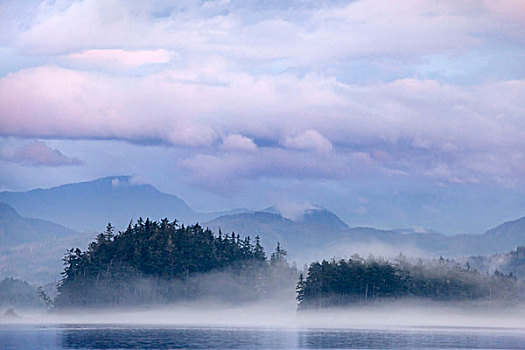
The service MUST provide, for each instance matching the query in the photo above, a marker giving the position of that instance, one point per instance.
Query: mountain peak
(108, 182)
(122, 180)
(92, 204)
(323, 217)
(271, 210)
(309, 214)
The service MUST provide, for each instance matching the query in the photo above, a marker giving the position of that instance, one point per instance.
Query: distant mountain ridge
(32, 249)
(306, 230)
(39, 219)
(15, 229)
(321, 232)
(312, 214)
(89, 206)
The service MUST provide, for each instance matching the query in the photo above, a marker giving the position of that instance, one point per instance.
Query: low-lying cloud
(448, 133)
(36, 153)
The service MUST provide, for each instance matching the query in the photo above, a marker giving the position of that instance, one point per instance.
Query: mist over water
(283, 315)
(272, 325)
(225, 313)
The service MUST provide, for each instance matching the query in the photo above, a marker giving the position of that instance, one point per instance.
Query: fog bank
(392, 315)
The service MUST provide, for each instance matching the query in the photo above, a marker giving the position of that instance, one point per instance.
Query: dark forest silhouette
(154, 262)
(358, 280)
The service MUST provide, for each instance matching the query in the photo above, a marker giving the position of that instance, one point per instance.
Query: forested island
(361, 281)
(163, 262)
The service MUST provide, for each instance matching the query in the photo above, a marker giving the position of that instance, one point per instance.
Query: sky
(389, 113)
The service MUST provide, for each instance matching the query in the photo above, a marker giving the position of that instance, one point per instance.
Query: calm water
(163, 337)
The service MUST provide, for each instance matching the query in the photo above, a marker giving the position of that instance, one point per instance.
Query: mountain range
(15, 229)
(46, 222)
(31, 248)
(89, 206)
(326, 237)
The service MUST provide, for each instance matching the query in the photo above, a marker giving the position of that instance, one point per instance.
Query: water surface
(119, 336)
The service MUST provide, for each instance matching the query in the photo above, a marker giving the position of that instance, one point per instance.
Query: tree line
(162, 261)
(359, 280)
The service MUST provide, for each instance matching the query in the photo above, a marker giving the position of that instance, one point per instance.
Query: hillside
(508, 233)
(313, 228)
(315, 239)
(39, 261)
(511, 262)
(32, 249)
(15, 230)
(314, 233)
(89, 206)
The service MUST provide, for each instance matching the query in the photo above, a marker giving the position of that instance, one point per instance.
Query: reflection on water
(163, 337)
(166, 338)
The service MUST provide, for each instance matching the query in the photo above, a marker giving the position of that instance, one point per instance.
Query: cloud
(294, 210)
(118, 58)
(138, 180)
(419, 229)
(116, 182)
(513, 10)
(326, 89)
(222, 172)
(407, 126)
(237, 142)
(309, 140)
(36, 153)
(304, 33)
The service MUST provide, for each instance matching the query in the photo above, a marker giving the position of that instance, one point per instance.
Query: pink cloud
(236, 142)
(117, 58)
(309, 140)
(193, 106)
(36, 153)
(513, 10)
